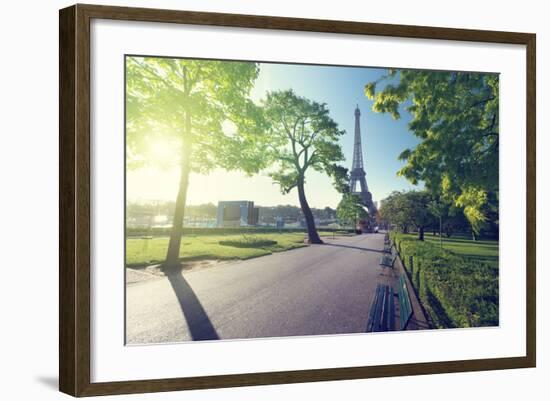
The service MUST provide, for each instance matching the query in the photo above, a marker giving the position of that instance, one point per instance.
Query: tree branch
(482, 101)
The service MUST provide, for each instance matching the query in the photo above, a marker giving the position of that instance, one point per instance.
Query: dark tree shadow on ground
(354, 247)
(199, 323)
(438, 310)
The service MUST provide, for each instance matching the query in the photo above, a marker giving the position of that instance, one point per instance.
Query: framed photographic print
(250, 200)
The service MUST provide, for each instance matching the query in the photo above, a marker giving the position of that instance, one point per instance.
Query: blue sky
(341, 88)
(383, 138)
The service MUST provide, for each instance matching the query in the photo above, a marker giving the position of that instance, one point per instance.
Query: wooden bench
(388, 259)
(382, 310)
(405, 307)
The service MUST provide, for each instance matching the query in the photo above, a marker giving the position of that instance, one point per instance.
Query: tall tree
(455, 115)
(438, 210)
(405, 209)
(393, 211)
(302, 136)
(200, 109)
(418, 210)
(350, 209)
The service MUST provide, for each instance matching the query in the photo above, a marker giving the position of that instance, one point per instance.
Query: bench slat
(370, 322)
(378, 308)
(390, 310)
(405, 307)
(388, 260)
(382, 311)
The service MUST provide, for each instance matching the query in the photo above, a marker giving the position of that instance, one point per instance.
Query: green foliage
(407, 208)
(455, 115)
(142, 252)
(437, 208)
(340, 177)
(455, 290)
(151, 250)
(198, 104)
(195, 114)
(301, 135)
(249, 242)
(394, 211)
(472, 201)
(350, 209)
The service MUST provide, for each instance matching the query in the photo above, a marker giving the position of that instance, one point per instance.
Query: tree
(350, 209)
(195, 114)
(302, 136)
(393, 211)
(408, 208)
(455, 114)
(438, 209)
(417, 210)
(472, 202)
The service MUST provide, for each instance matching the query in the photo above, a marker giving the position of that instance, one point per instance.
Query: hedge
(454, 290)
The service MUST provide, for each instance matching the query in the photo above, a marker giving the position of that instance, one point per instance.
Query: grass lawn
(140, 251)
(483, 250)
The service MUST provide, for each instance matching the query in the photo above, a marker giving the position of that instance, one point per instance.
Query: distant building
(237, 214)
(279, 222)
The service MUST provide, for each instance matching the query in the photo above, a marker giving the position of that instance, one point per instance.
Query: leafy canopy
(407, 208)
(455, 115)
(198, 104)
(350, 209)
(301, 135)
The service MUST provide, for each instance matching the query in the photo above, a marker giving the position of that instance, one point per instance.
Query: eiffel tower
(357, 175)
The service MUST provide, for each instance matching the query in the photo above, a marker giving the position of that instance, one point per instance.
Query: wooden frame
(74, 200)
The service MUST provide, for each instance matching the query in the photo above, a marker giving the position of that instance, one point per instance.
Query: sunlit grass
(483, 250)
(146, 251)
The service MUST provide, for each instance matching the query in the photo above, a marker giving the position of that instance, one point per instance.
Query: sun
(163, 152)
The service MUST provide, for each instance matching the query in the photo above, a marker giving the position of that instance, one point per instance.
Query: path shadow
(417, 324)
(354, 247)
(199, 323)
(438, 310)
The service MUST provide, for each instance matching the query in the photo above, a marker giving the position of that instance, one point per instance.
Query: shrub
(249, 242)
(454, 290)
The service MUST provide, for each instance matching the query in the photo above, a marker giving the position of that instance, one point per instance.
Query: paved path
(319, 289)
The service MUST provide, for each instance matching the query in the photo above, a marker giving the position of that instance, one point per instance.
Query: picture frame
(76, 199)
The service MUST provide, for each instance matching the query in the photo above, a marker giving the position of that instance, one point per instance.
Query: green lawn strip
(458, 285)
(482, 250)
(141, 251)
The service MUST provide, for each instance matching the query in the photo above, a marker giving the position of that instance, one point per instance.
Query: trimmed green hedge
(454, 290)
(249, 242)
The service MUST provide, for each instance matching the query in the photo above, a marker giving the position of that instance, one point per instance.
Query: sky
(341, 88)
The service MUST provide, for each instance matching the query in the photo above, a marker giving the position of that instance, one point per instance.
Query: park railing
(455, 291)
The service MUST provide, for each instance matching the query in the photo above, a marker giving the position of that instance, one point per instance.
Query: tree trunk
(172, 255)
(421, 233)
(440, 233)
(308, 215)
